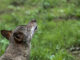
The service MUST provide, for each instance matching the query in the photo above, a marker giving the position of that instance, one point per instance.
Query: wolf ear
(6, 33)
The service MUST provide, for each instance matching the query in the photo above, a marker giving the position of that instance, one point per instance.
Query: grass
(55, 33)
(51, 39)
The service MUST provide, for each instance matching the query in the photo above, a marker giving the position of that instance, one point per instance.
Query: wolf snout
(36, 28)
(34, 24)
(33, 20)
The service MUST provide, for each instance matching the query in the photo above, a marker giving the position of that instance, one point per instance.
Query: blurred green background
(58, 26)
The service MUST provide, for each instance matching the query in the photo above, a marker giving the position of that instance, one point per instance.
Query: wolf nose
(33, 20)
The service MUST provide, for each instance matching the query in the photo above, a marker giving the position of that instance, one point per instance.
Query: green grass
(51, 39)
(55, 33)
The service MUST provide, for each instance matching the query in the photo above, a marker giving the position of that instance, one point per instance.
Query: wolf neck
(18, 50)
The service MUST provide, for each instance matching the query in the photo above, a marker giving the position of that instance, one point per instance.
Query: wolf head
(21, 34)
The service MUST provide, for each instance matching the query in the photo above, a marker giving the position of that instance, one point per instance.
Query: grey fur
(19, 46)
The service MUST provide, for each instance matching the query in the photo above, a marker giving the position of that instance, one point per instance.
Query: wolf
(19, 41)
